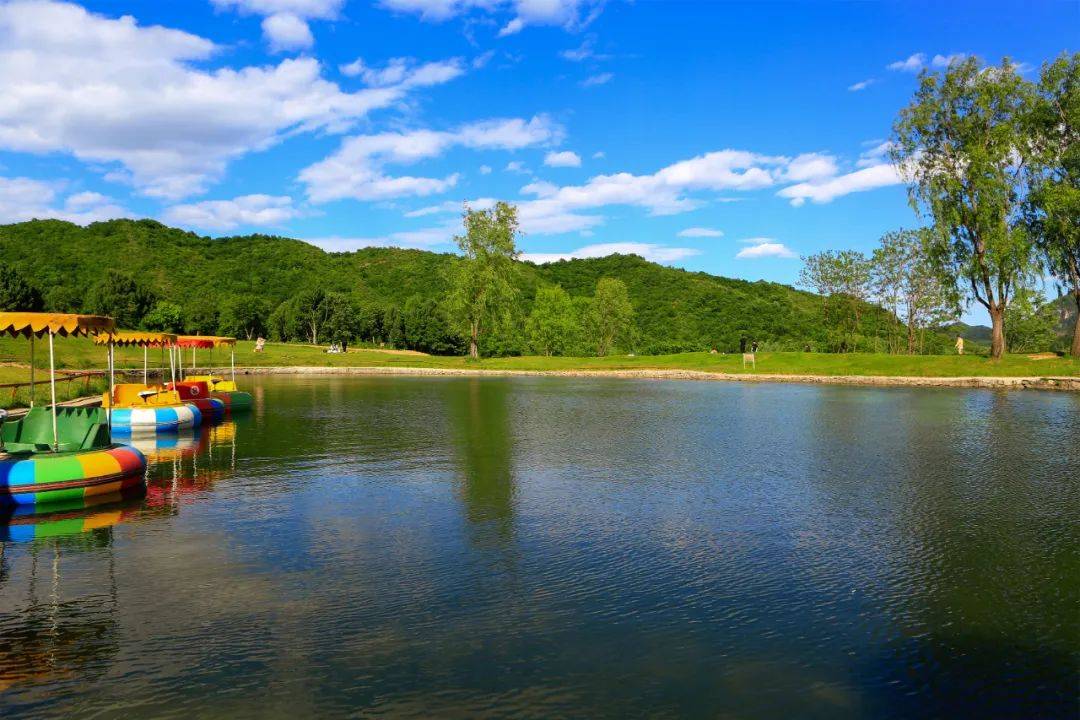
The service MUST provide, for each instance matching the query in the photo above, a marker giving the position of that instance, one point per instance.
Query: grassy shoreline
(77, 354)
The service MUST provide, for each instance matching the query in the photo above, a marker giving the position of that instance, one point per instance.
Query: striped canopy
(64, 324)
(137, 338)
(205, 341)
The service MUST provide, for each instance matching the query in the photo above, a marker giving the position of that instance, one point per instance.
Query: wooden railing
(65, 376)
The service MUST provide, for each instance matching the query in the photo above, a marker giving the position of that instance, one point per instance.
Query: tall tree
(16, 293)
(1053, 208)
(121, 297)
(611, 317)
(1031, 322)
(164, 317)
(905, 282)
(244, 316)
(312, 311)
(481, 280)
(843, 279)
(960, 145)
(552, 324)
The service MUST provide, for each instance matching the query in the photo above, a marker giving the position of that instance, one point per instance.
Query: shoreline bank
(996, 382)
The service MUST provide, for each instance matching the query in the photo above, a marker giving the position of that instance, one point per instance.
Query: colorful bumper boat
(220, 388)
(197, 394)
(138, 408)
(60, 454)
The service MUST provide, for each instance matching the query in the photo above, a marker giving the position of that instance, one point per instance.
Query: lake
(561, 547)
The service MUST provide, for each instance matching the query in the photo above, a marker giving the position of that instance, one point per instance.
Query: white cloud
(763, 248)
(598, 155)
(585, 51)
(874, 154)
(423, 238)
(285, 21)
(944, 61)
(111, 91)
(355, 169)
(861, 85)
(25, 199)
(654, 253)
(405, 72)
(811, 166)
(566, 158)
(598, 79)
(247, 210)
(485, 169)
(516, 166)
(568, 14)
(287, 32)
(701, 232)
(913, 63)
(868, 178)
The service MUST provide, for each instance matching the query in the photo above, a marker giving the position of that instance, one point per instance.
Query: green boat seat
(78, 428)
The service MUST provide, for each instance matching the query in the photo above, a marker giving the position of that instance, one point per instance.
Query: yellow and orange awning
(205, 341)
(26, 324)
(125, 338)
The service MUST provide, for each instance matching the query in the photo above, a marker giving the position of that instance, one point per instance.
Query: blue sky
(716, 136)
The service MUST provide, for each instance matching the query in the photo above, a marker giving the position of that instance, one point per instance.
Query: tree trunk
(1076, 327)
(910, 331)
(474, 336)
(997, 332)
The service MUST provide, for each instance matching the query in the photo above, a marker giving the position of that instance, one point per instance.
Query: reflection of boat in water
(60, 635)
(73, 517)
(186, 466)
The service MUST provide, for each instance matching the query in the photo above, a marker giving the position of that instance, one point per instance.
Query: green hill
(675, 309)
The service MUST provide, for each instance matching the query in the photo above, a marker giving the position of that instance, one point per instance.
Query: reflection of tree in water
(53, 638)
(481, 421)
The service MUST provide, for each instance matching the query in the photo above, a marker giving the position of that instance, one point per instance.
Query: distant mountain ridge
(675, 309)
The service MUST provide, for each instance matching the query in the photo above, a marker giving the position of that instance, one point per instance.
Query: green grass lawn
(81, 353)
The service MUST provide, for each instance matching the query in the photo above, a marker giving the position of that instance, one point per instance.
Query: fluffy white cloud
(875, 153)
(569, 14)
(598, 79)
(248, 210)
(566, 158)
(763, 248)
(823, 191)
(111, 91)
(811, 166)
(861, 85)
(287, 32)
(323, 9)
(405, 72)
(944, 61)
(355, 170)
(485, 169)
(701, 232)
(25, 199)
(913, 63)
(655, 253)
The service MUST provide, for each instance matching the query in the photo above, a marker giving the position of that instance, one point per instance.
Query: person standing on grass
(959, 345)
(753, 347)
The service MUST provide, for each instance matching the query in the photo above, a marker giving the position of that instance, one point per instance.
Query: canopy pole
(172, 362)
(145, 348)
(193, 357)
(31, 370)
(52, 385)
(232, 363)
(180, 362)
(112, 372)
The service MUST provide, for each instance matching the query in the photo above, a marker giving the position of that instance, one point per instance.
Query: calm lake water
(548, 547)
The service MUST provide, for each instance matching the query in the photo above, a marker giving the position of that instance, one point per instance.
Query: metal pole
(144, 351)
(31, 369)
(192, 357)
(232, 362)
(180, 361)
(172, 363)
(112, 371)
(52, 384)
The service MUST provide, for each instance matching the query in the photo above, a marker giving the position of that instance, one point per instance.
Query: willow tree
(482, 293)
(961, 145)
(907, 284)
(1053, 208)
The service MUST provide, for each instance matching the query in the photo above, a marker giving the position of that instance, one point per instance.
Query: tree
(427, 327)
(342, 319)
(164, 317)
(481, 280)
(312, 311)
(611, 316)
(843, 279)
(1053, 208)
(201, 319)
(552, 324)
(63, 299)
(960, 145)
(906, 283)
(1031, 322)
(393, 327)
(282, 323)
(16, 293)
(121, 297)
(244, 316)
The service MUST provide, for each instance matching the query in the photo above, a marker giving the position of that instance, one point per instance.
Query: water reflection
(480, 418)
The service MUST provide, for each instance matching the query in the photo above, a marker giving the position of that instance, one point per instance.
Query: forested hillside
(673, 309)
